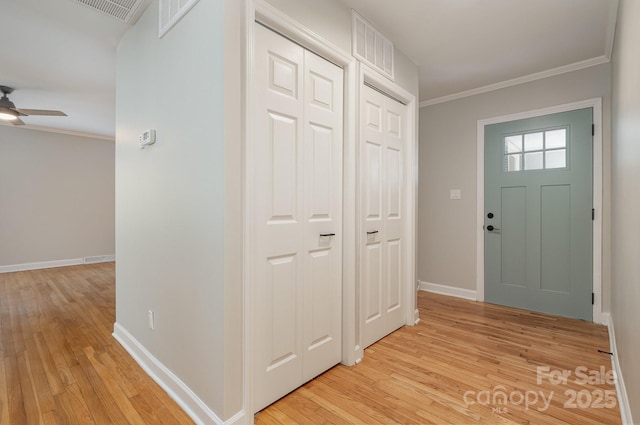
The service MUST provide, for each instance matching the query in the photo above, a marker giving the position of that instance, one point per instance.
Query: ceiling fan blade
(17, 121)
(41, 112)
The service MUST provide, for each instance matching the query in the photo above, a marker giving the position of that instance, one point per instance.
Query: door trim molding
(596, 104)
(271, 17)
(372, 78)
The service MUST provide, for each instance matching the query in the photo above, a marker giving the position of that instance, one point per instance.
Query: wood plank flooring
(458, 365)
(59, 364)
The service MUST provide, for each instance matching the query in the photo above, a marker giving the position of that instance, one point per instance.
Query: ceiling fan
(9, 112)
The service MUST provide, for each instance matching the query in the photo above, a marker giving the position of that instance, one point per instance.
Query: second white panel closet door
(383, 251)
(297, 218)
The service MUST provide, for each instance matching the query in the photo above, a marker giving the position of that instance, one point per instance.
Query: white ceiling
(461, 45)
(63, 53)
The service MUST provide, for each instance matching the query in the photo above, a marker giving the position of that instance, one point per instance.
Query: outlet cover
(152, 320)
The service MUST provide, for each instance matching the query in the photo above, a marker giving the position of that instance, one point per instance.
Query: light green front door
(538, 214)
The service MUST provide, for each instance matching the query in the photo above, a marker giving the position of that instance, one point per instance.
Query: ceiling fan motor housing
(6, 103)
(7, 106)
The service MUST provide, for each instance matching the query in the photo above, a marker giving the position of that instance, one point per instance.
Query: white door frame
(596, 104)
(373, 78)
(259, 10)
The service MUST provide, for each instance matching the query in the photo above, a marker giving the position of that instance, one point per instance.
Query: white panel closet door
(382, 144)
(297, 182)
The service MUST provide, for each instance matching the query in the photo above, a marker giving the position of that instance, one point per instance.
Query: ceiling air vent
(171, 11)
(371, 47)
(124, 10)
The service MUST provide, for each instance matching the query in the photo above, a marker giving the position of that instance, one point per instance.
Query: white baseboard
(237, 419)
(177, 390)
(602, 318)
(621, 391)
(452, 291)
(56, 263)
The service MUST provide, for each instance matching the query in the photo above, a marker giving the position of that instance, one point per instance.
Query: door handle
(491, 228)
(372, 232)
(326, 235)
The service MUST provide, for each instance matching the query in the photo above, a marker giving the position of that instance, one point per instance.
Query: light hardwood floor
(464, 352)
(59, 364)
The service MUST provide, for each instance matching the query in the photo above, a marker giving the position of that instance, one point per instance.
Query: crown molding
(60, 131)
(517, 81)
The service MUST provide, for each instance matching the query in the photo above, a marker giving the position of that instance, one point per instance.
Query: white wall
(626, 198)
(57, 195)
(448, 139)
(170, 197)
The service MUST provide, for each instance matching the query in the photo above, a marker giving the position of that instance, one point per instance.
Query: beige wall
(448, 139)
(56, 196)
(625, 311)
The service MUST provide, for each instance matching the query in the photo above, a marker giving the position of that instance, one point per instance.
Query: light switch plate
(455, 194)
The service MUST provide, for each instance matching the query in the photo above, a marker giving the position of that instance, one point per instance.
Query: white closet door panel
(280, 283)
(395, 116)
(382, 122)
(323, 122)
(283, 75)
(394, 183)
(373, 277)
(279, 221)
(394, 304)
(394, 123)
(373, 191)
(320, 145)
(372, 109)
(320, 320)
(372, 184)
(297, 182)
(281, 155)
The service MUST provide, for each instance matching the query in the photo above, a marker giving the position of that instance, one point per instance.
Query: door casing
(377, 319)
(596, 104)
(369, 76)
(355, 75)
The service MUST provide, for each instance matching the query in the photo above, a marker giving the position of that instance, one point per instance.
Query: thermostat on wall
(148, 137)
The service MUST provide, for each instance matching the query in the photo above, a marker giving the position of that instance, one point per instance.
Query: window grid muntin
(517, 156)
